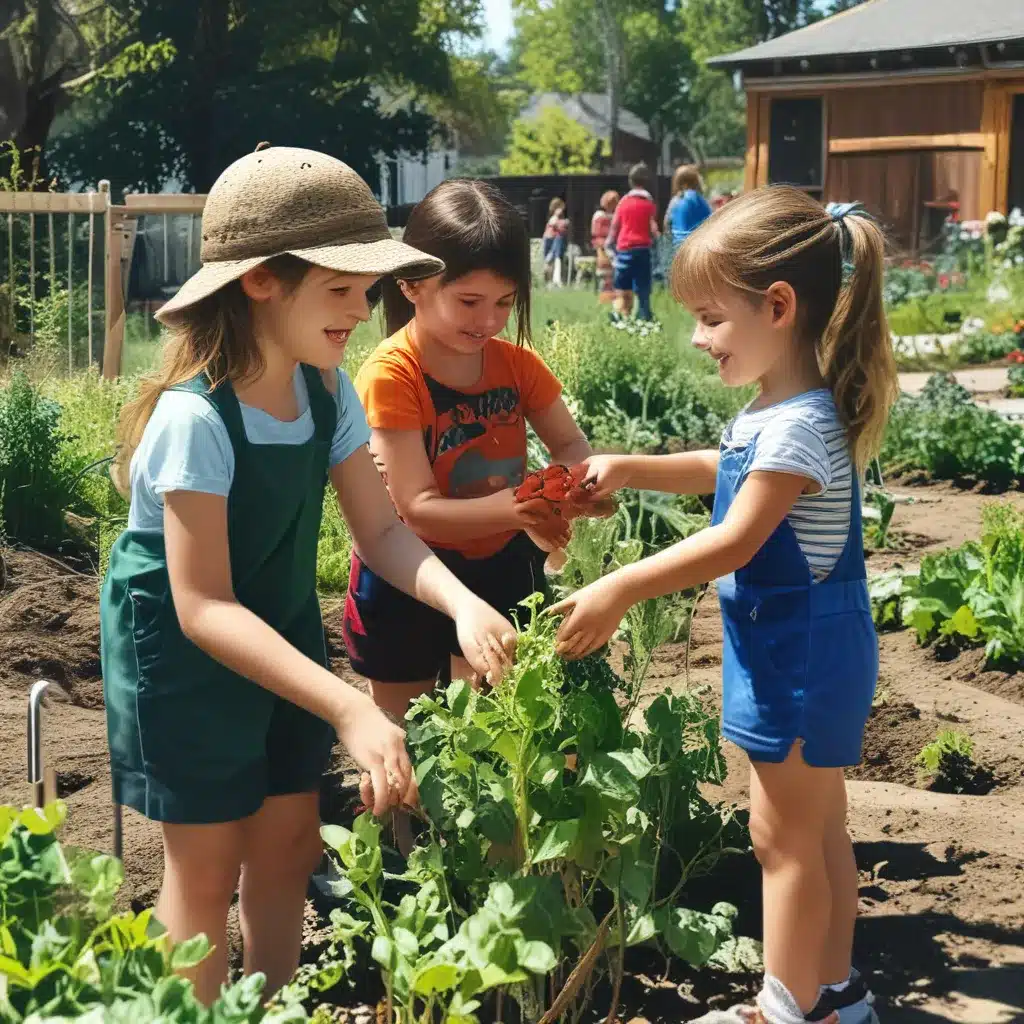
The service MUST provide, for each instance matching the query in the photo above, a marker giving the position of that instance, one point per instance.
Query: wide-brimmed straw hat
(281, 200)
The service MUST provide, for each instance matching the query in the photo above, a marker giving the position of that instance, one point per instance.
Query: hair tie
(839, 212)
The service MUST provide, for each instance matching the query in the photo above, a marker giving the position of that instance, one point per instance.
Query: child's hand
(591, 617)
(378, 745)
(487, 639)
(410, 798)
(545, 519)
(604, 474)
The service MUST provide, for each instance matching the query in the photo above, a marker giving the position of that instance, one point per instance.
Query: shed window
(795, 153)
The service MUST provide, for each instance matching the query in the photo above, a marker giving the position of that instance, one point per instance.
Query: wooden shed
(914, 107)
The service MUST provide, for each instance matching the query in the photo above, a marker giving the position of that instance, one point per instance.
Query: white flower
(975, 235)
(995, 217)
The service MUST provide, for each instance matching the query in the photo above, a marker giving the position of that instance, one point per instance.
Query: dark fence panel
(531, 194)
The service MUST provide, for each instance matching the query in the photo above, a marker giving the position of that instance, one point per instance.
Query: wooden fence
(113, 227)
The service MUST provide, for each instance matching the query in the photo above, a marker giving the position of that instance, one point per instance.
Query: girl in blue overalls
(788, 296)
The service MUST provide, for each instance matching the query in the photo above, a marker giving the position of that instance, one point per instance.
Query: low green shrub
(943, 432)
(637, 393)
(40, 473)
(967, 596)
(65, 956)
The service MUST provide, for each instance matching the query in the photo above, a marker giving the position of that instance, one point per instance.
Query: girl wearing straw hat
(221, 710)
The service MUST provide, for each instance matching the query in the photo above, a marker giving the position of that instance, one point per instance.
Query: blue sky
(498, 21)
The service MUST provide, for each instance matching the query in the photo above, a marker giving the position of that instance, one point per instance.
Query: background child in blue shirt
(788, 295)
(687, 209)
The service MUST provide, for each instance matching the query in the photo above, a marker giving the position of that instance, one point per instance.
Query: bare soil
(942, 896)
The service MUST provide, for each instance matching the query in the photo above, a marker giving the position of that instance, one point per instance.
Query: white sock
(777, 1003)
(840, 986)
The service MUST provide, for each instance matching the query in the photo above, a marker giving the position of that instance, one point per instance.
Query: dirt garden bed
(942, 893)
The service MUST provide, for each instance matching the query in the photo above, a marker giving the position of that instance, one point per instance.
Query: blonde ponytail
(856, 355)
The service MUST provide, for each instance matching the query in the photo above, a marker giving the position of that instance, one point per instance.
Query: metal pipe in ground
(36, 775)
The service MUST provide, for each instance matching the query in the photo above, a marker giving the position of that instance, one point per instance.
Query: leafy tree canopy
(342, 76)
(551, 143)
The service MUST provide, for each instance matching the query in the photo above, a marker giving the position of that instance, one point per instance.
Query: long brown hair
(471, 226)
(214, 338)
(835, 266)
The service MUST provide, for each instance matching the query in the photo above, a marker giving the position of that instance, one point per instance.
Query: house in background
(914, 107)
(405, 178)
(633, 136)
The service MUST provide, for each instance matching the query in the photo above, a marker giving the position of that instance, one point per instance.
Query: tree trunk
(40, 96)
(211, 50)
(609, 27)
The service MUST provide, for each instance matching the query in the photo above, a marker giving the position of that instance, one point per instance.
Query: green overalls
(192, 742)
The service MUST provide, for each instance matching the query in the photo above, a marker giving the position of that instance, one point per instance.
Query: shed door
(1016, 196)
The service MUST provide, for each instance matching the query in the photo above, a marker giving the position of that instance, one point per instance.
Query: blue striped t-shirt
(804, 435)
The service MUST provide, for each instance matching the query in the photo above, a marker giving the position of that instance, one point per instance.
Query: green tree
(633, 50)
(334, 75)
(50, 51)
(481, 105)
(550, 143)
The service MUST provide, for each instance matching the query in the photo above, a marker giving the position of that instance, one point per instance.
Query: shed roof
(878, 26)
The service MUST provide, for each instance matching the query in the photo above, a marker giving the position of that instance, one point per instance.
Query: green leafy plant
(948, 761)
(65, 956)
(968, 596)
(556, 834)
(944, 433)
(877, 516)
(38, 474)
(1015, 382)
(886, 592)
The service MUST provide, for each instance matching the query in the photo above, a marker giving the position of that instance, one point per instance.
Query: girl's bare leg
(282, 849)
(841, 867)
(201, 868)
(790, 804)
(623, 303)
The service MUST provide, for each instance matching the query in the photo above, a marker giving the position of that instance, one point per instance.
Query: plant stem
(620, 966)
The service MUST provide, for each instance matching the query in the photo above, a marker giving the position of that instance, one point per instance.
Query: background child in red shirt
(634, 228)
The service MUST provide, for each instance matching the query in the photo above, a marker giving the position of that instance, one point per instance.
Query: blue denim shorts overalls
(800, 659)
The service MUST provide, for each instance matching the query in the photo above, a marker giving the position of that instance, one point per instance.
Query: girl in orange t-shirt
(448, 404)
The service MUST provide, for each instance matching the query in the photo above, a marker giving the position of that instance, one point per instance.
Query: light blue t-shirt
(804, 436)
(185, 446)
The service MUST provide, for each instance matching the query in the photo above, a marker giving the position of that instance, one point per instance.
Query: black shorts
(393, 638)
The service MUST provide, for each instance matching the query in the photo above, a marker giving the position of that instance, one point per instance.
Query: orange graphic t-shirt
(475, 438)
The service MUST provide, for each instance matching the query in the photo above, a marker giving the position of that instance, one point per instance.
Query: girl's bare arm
(682, 473)
(561, 436)
(196, 538)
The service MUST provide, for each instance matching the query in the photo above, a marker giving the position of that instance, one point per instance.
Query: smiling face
(312, 321)
(462, 314)
(750, 336)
